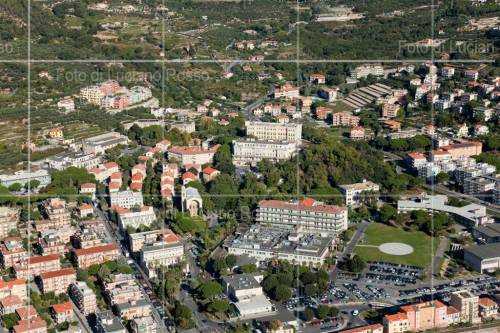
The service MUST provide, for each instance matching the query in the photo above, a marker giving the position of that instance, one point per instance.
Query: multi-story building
(307, 215)
(287, 90)
(126, 199)
(483, 258)
(107, 322)
(396, 323)
(9, 217)
(96, 255)
(290, 132)
(136, 217)
(83, 297)
(330, 94)
(252, 151)
(367, 69)
(185, 127)
(353, 192)
(467, 304)
(63, 312)
(166, 251)
(357, 133)
(57, 281)
(100, 143)
(134, 309)
(13, 288)
(481, 185)
(144, 325)
(54, 210)
(121, 288)
(71, 159)
(23, 177)
(390, 110)
(488, 308)
(12, 251)
(37, 265)
(268, 243)
(140, 239)
(247, 295)
(193, 155)
(10, 304)
(92, 94)
(344, 119)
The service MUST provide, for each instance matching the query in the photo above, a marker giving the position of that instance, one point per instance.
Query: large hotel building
(306, 215)
(274, 131)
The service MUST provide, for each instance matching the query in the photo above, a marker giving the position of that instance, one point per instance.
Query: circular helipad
(396, 249)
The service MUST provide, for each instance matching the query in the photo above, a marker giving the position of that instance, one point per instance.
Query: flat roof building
(483, 258)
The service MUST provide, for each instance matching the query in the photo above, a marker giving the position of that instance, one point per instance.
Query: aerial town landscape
(255, 166)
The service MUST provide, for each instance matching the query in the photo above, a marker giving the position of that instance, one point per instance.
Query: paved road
(349, 249)
(114, 234)
(81, 318)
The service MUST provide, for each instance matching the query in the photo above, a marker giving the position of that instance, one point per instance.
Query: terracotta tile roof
(209, 170)
(85, 207)
(452, 310)
(62, 307)
(487, 302)
(188, 175)
(417, 156)
(58, 273)
(396, 317)
(136, 186)
(26, 311)
(25, 326)
(114, 185)
(10, 300)
(97, 249)
(39, 259)
(182, 150)
(88, 185)
(116, 175)
(110, 165)
(12, 283)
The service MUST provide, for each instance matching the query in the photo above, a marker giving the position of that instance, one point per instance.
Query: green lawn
(377, 234)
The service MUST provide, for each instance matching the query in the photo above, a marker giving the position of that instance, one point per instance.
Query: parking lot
(442, 291)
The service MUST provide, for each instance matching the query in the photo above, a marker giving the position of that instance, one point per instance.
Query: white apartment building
(252, 151)
(92, 94)
(83, 297)
(163, 253)
(306, 215)
(352, 192)
(192, 155)
(132, 218)
(126, 199)
(289, 132)
(367, 69)
(100, 143)
(78, 160)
